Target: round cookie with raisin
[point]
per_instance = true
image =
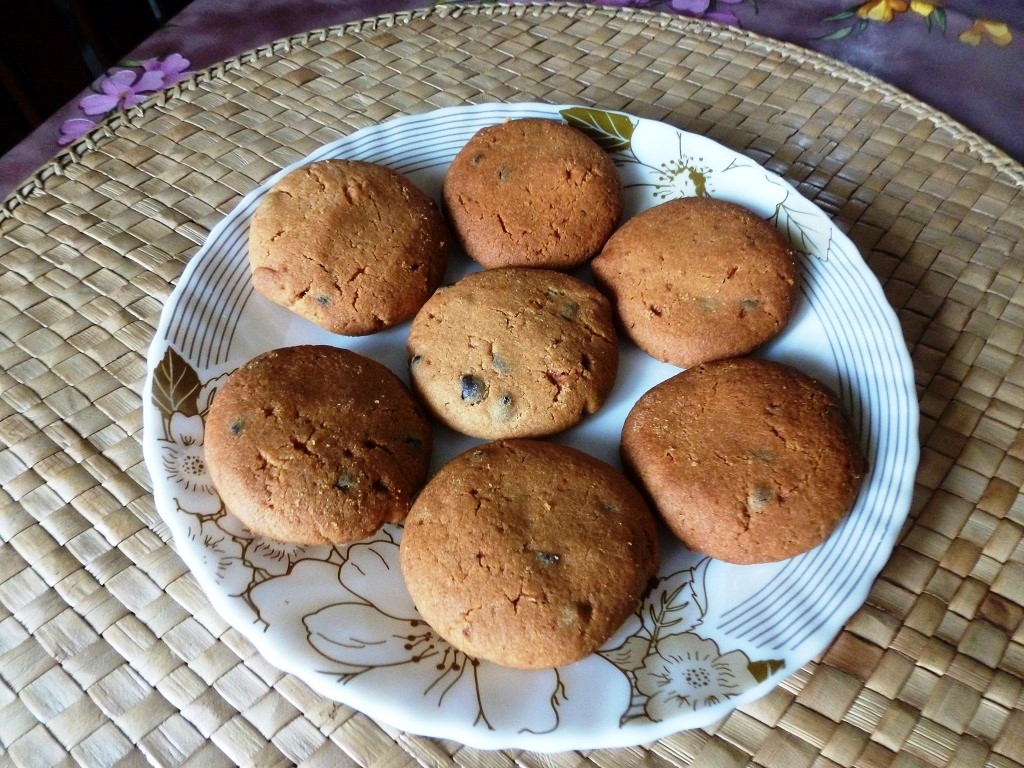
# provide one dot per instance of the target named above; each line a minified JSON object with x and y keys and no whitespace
{"x":533,"y":193}
{"x":514,"y":352}
{"x":354,"y":247}
{"x":527,"y":553}
{"x":316,"y":445}
{"x":697,"y":279}
{"x":746,"y":460}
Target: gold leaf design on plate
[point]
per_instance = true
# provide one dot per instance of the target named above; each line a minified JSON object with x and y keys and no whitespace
{"x":175,"y":386}
{"x":612,"y":131}
{"x":762,"y":670}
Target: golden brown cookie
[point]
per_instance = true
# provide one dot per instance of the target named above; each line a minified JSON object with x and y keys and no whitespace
{"x":514,"y":352}
{"x":354,"y":247}
{"x":746,"y":460}
{"x":532,"y":193}
{"x":316,"y":445}
{"x":528,"y":553}
{"x":697,"y":279}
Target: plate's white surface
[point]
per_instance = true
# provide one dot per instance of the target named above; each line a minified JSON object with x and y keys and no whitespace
{"x":709,"y":637}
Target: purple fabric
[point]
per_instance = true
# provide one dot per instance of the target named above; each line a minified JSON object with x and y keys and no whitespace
{"x":934,"y":59}
{"x":964,"y":57}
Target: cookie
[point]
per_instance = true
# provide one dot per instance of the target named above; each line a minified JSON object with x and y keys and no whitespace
{"x":746,"y":460}
{"x":351,"y":246}
{"x":697,"y":279}
{"x":514,"y":352}
{"x":532,"y":193}
{"x":316,"y":445}
{"x":527,"y":553}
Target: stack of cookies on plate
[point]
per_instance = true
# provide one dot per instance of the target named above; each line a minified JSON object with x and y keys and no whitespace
{"x":521,"y":550}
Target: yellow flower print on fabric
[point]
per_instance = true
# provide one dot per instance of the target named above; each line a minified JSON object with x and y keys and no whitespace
{"x":882,"y":10}
{"x":995,"y":32}
{"x":888,"y":11}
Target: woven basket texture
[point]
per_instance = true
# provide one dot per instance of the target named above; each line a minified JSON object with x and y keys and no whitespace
{"x":111,"y":655}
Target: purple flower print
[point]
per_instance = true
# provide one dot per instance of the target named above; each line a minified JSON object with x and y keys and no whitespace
{"x":122,"y":89}
{"x":172,"y":68}
{"x":696,"y":7}
{"x":707,"y":9}
{"x":73,"y":129}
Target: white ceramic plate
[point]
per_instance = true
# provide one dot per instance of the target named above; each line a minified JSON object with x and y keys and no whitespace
{"x":710,"y":636}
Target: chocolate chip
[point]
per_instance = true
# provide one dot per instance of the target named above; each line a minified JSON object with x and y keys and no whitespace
{"x":764,"y":454}
{"x":415,"y":359}
{"x":346,"y":481}
{"x":759,"y":497}
{"x":323,"y":300}
{"x":505,"y":174}
{"x":475,"y":160}
{"x":236,"y":427}
{"x":568,"y":310}
{"x":502,"y":409}
{"x":500,"y":364}
{"x":473,"y":389}
{"x":547,"y":558}
{"x":414,"y":442}
{"x":585,"y":611}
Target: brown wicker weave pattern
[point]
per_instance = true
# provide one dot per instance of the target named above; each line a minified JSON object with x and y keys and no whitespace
{"x":109,"y":652}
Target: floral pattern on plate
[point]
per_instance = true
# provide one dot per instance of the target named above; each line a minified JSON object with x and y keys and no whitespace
{"x":707,"y":638}
{"x":370,"y":627}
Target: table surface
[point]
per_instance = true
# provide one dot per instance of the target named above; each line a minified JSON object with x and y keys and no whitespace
{"x":110,"y":653}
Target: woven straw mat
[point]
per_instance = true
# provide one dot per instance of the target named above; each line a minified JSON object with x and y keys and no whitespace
{"x":110,"y":654}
